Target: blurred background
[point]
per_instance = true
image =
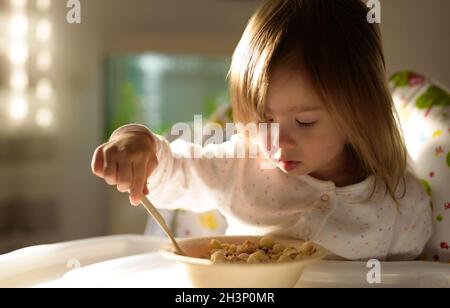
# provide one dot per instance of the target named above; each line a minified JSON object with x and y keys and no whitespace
{"x":65,"y":87}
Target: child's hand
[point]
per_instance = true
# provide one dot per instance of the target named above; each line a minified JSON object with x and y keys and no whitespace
{"x":126,"y":161}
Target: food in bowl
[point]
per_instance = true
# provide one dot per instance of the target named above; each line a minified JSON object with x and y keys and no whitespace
{"x":264,"y":250}
{"x":203,"y":272}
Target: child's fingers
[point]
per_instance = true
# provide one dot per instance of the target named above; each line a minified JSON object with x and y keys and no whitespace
{"x":132,"y":202}
{"x":97,"y":163}
{"x":110,"y":169}
{"x":124,"y":175}
{"x":151,"y":165}
{"x":138,"y":182}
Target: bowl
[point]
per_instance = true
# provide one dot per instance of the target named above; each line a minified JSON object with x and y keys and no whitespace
{"x":203,"y":273}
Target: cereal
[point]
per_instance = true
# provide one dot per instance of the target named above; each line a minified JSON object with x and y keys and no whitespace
{"x":233,"y":248}
{"x":284,"y":258}
{"x":278,"y":248}
{"x":266,"y":242}
{"x":264,"y":251}
{"x":243,"y":256}
{"x":247,"y":247}
{"x":215,"y":244}
{"x":289,"y":251}
{"x":218,"y":256}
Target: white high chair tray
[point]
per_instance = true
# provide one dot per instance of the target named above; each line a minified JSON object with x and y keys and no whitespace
{"x":133,"y":261}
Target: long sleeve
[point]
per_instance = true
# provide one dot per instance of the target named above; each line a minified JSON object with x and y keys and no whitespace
{"x":182,"y":181}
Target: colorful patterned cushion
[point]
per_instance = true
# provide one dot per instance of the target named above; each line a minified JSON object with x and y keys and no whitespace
{"x":424,"y":109}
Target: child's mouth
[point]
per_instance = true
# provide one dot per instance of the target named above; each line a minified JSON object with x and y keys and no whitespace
{"x":288,"y":166}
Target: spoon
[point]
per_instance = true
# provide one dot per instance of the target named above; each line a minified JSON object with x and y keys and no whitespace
{"x":151,"y":209}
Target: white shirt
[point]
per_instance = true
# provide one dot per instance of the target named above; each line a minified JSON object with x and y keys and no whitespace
{"x":258,"y":201}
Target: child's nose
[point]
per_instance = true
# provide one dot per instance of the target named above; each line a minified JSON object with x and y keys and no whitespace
{"x":286,"y":141}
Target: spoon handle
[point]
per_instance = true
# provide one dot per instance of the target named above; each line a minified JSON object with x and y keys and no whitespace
{"x":160,"y":220}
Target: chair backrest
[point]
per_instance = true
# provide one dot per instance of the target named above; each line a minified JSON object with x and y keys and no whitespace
{"x":424,"y":112}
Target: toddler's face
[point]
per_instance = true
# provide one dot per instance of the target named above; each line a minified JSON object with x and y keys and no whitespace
{"x":310,"y":141}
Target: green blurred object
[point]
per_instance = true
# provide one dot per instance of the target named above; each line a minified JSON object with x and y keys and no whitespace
{"x":159,"y":90}
{"x":434,"y":96}
{"x":126,"y":108}
{"x":400,"y":79}
{"x":427,"y":186}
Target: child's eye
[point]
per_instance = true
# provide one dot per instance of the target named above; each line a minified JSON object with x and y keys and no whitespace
{"x":306,"y":124}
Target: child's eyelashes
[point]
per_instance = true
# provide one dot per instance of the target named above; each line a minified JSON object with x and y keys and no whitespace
{"x":300,"y":123}
{"x":306,"y":124}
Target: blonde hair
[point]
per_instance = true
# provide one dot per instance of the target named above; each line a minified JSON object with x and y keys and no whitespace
{"x":342,"y":55}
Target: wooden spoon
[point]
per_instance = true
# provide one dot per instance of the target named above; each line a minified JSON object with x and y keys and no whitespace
{"x":151,"y":209}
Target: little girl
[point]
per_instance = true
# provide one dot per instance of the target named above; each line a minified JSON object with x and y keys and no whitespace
{"x":315,"y":67}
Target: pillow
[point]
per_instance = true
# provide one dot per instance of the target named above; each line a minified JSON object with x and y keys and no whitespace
{"x":423,"y":106}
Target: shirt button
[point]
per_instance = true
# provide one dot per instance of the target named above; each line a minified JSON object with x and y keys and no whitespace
{"x":325,"y":197}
